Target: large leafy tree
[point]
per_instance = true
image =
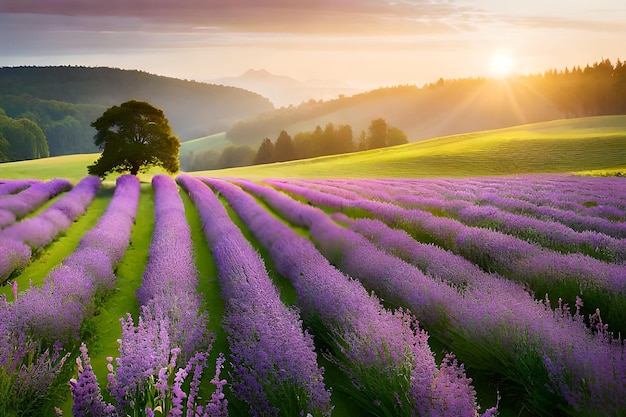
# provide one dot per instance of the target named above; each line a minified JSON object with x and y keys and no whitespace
{"x":134,"y":136}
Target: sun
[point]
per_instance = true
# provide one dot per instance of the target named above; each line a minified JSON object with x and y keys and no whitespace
{"x":501,"y":64}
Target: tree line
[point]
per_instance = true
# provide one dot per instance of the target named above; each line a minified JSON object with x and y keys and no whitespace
{"x":67,"y":127}
{"x":21,"y":139}
{"x":331,"y":140}
{"x":595,"y":90}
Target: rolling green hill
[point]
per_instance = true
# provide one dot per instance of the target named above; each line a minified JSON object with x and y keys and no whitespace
{"x":571,"y":145}
{"x":585,"y":145}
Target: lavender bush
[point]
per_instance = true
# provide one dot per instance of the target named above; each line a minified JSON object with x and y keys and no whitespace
{"x":145,"y":381}
{"x":8,"y":187}
{"x":481,"y":325}
{"x":34,"y":196}
{"x":542,"y":269}
{"x":383,"y":353}
{"x":168,"y":288}
{"x":274,"y":363}
{"x":39,"y":231}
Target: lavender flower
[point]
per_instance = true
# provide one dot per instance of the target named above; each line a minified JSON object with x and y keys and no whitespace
{"x":273,"y":360}
{"x":88,"y":400}
{"x":374,"y":347}
{"x":482,"y":314}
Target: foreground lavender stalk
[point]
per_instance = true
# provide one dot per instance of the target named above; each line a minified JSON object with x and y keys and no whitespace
{"x":162,"y":393}
{"x":274,"y":363}
{"x":27,"y":370}
{"x":483,"y":313}
{"x":374,"y":347}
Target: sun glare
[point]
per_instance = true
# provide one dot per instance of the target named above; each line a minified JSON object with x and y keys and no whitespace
{"x":501,"y":64}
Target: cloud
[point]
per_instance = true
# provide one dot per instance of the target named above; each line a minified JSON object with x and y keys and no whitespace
{"x":575,"y":24}
{"x":267,"y":16}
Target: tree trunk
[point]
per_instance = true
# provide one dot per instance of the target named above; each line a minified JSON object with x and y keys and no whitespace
{"x":134,"y":170}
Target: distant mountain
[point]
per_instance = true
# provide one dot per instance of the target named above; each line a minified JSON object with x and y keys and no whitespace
{"x":194,"y":109}
{"x":284,"y":91}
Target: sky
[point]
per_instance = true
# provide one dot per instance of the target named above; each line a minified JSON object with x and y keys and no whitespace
{"x":353,"y":43}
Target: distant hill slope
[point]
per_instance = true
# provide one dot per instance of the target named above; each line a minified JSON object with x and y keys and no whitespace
{"x":439,"y":109}
{"x":194,"y":109}
{"x":594,"y":145}
{"x":590,"y":144}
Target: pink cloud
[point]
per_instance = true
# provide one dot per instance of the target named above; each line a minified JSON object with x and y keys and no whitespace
{"x":269,"y":16}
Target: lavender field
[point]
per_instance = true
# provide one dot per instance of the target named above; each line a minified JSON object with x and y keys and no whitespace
{"x":200,"y":296}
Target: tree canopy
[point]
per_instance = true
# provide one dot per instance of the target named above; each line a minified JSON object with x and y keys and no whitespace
{"x":21,"y":139}
{"x":134,"y":136}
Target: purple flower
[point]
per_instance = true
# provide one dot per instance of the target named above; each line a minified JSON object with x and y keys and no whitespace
{"x":273,"y":359}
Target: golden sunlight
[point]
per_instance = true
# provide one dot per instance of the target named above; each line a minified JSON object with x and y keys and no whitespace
{"x":501,"y":64}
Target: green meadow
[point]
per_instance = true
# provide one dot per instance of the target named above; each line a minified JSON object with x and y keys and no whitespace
{"x":592,"y":145}
{"x":585,"y":145}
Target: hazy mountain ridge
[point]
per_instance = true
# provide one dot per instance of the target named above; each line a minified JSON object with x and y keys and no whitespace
{"x":286,"y":91}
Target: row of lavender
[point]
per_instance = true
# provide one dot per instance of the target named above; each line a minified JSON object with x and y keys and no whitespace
{"x":19,"y":239}
{"x":170,"y":342}
{"x":555,"y":359}
{"x":563,"y":274}
{"x":42,"y":322}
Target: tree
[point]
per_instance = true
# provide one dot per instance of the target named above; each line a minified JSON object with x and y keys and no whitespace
{"x":25,"y":139}
{"x":377,"y":134}
{"x":134,"y":136}
{"x":344,"y":140}
{"x":236,"y":156}
{"x":396,"y":136}
{"x":265,"y":154}
{"x":284,"y":150}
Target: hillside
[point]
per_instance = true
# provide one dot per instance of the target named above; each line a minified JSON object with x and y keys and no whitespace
{"x":441,"y":109}
{"x":569,"y":145}
{"x":194,"y":109}
{"x":596,"y":144}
